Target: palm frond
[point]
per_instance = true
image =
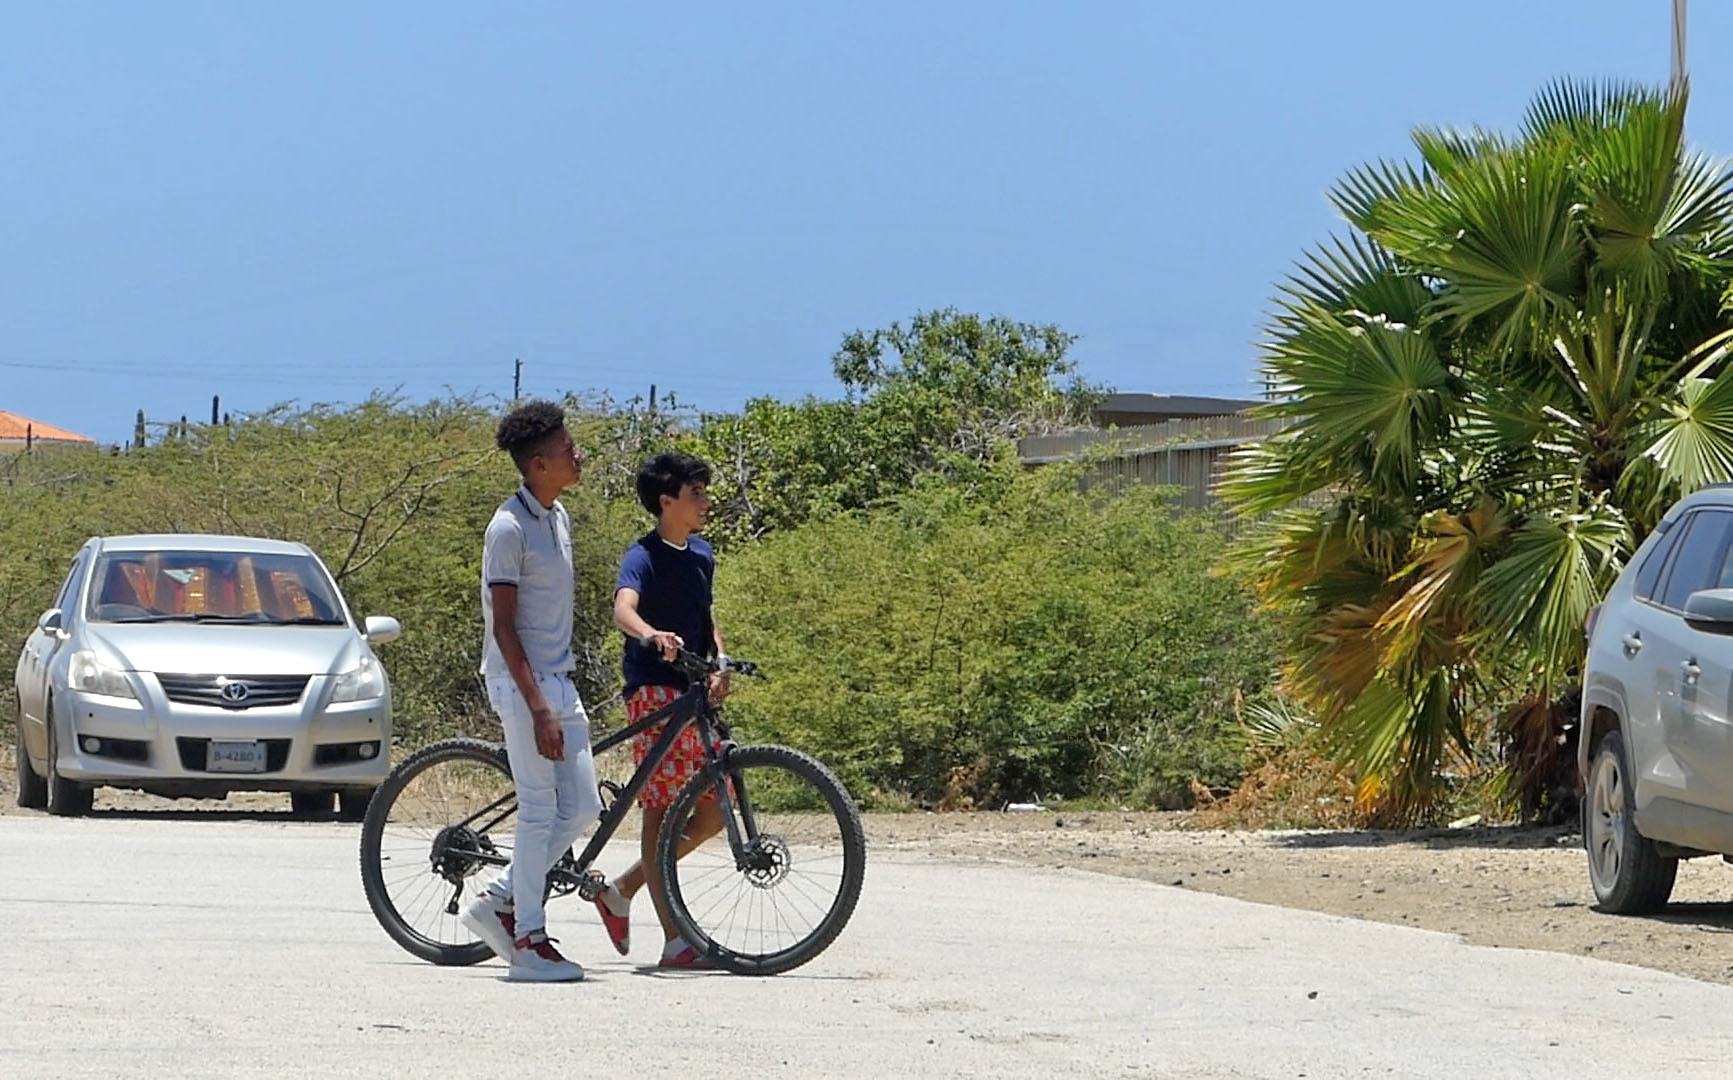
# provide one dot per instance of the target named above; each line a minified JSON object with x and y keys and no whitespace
{"x":1693,"y":442}
{"x":1630,"y":173}
{"x":1270,"y":476}
{"x":1567,"y":107}
{"x":1533,"y":601}
{"x":1350,"y":276}
{"x":1362,"y":196}
{"x":1366,"y":384}
{"x":1506,"y":238}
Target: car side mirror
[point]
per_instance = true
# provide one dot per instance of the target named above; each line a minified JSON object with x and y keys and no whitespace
{"x":382,"y":628}
{"x":1711,"y":609}
{"x":51,"y":621}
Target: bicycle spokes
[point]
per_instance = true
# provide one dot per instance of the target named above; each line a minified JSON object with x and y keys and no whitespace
{"x":445,"y":832}
{"x":778,"y":897}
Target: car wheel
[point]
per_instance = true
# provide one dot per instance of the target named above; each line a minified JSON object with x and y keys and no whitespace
{"x":310,"y":804}
{"x":1626,"y":869}
{"x":352,"y":803}
{"x":66,"y":798}
{"x":32,"y":789}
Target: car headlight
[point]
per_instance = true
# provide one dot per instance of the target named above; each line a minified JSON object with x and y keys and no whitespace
{"x":364,"y":682}
{"x":88,"y":674}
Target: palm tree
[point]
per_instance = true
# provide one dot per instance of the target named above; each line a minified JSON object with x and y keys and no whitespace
{"x":1497,"y":384}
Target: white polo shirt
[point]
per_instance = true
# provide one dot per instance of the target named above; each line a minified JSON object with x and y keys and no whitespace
{"x":530,"y":546}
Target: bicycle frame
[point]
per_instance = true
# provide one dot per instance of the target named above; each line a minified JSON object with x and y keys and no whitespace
{"x":691,"y":707}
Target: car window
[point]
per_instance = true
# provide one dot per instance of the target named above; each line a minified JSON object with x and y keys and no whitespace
{"x":213,"y":586}
{"x":1649,"y":573}
{"x":1702,"y":558}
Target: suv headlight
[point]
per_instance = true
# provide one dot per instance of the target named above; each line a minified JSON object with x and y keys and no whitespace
{"x":364,"y":682}
{"x":88,"y":674}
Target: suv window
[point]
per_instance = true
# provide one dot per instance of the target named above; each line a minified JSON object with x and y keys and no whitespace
{"x":1702,"y":561}
{"x":1649,"y":574}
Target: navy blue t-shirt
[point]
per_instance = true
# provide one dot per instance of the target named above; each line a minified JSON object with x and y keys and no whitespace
{"x":673,"y":586}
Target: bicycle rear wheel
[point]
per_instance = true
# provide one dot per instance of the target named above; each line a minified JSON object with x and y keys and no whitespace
{"x":802,"y":865}
{"x":442,"y":818}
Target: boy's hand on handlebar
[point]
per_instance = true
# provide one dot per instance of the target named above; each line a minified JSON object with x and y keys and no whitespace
{"x":666,"y":642}
{"x":719,"y":687}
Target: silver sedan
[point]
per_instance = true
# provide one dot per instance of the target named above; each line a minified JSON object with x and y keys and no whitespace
{"x":200,"y":665}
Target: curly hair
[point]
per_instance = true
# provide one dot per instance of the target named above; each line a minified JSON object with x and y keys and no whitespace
{"x":527,"y":428}
{"x":666,"y":474}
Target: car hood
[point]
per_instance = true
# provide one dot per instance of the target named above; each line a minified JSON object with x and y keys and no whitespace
{"x":191,"y":649}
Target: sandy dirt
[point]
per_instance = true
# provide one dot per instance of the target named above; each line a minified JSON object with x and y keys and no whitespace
{"x":1505,"y":887}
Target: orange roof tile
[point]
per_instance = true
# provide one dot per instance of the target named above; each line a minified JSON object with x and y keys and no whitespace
{"x":13,"y":426}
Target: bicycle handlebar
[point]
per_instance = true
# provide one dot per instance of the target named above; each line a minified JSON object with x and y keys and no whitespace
{"x":693,"y":664}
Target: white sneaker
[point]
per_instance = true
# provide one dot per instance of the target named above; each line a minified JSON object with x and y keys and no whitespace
{"x":490,"y":918}
{"x":534,"y":959}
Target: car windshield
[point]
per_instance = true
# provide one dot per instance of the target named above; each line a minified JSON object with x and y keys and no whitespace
{"x":236,"y":587}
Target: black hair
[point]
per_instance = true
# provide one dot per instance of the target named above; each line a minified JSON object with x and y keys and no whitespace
{"x":666,"y":474}
{"x":526,"y":429}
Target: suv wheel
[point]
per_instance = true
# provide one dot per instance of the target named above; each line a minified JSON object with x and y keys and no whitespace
{"x":1629,"y":875}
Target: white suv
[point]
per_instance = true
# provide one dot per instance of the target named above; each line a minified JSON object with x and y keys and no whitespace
{"x":1656,"y":752}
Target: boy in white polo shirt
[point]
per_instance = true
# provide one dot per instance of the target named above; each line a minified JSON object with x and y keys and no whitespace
{"x":526,"y":604}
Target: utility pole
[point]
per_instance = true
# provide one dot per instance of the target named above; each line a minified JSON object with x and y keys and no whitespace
{"x":1680,"y":76}
{"x":517,"y":382}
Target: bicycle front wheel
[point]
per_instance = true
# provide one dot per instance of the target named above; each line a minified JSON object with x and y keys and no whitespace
{"x":798,"y":873}
{"x":434,"y":830}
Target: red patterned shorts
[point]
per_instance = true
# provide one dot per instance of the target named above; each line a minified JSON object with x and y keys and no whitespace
{"x":685,"y":757}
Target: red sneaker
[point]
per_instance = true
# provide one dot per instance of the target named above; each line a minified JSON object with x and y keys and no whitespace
{"x":534,"y":959}
{"x":619,"y":927}
{"x":686,"y":957}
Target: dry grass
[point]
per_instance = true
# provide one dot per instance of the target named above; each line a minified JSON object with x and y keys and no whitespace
{"x":1289,"y":788}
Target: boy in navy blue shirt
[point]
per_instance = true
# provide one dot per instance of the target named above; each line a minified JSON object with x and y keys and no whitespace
{"x":661,"y":603}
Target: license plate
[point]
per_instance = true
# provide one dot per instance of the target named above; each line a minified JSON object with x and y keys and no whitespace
{"x":235,"y":756}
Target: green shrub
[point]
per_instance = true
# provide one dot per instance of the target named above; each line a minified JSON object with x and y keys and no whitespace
{"x":1010,"y":642}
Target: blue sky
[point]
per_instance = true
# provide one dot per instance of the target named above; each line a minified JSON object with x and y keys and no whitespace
{"x":309,"y":201}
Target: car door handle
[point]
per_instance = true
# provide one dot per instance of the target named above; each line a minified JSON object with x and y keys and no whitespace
{"x":1692,"y":672}
{"x":1633,"y":644}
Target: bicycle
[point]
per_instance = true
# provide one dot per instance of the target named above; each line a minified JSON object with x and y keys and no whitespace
{"x":792,"y":843}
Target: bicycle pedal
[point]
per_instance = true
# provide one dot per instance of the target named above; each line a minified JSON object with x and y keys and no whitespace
{"x":592,"y":884}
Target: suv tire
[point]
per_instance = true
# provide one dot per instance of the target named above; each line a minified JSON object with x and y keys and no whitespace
{"x":1626,"y":869}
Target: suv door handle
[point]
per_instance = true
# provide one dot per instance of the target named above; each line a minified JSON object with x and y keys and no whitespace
{"x":1633,"y":644}
{"x":1692,"y":672}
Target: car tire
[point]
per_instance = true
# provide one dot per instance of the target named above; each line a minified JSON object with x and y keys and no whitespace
{"x":32,"y":789}
{"x":352,"y":803}
{"x":310,"y":804}
{"x":1628,"y":873}
{"x":66,"y":798}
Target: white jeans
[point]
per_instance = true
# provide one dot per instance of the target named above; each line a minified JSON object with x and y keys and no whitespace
{"x":557,"y":801}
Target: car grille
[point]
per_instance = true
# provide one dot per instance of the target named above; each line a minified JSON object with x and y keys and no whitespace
{"x":193,"y":753}
{"x":214,"y":690}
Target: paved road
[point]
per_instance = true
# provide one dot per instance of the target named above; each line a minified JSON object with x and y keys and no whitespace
{"x":169,"y":947}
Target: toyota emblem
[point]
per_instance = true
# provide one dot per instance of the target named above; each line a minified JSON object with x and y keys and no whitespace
{"x":235,"y":691}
